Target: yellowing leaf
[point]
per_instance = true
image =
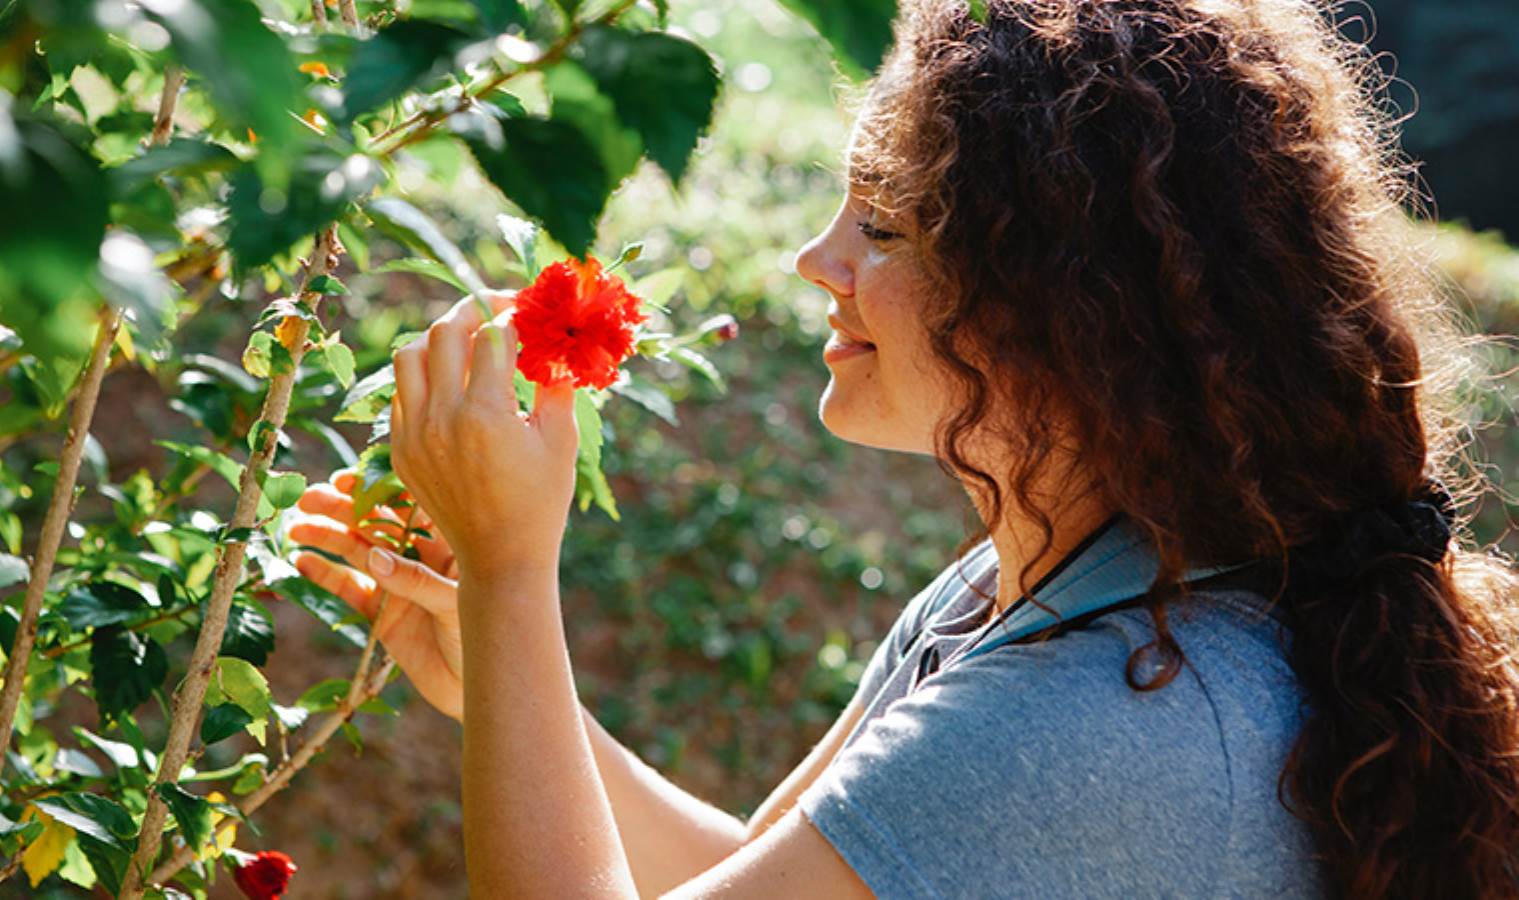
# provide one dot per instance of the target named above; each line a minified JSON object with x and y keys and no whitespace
{"x":43,"y":856}
{"x":289,"y":332}
{"x":224,"y":837}
{"x":315,"y":68}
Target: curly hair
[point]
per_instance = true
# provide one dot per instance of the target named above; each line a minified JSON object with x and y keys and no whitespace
{"x":1182,"y":225}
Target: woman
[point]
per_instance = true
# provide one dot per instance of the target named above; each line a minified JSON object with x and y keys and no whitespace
{"x":1134,"y":273}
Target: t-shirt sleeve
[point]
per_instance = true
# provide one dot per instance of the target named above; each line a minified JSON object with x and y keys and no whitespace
{"x":1023,"y":772}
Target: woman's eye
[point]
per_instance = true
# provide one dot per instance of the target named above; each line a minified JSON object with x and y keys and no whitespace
{"x":876,"y":234}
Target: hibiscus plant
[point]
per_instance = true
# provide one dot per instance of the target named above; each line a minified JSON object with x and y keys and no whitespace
{"x":162,"y":158}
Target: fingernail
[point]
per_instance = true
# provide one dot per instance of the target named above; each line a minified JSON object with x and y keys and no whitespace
{"x":381,"y":562}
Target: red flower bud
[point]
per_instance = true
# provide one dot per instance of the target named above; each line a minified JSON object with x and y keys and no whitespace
{"x":266,"y":877}
{"x":728,"y":330}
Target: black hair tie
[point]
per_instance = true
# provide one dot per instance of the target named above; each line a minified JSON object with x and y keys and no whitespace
{"x":1419,"y":526}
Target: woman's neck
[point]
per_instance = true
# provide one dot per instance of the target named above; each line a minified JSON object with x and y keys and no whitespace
{"x":1017,"y":540}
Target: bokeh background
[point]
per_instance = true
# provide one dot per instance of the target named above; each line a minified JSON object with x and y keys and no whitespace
{"x":719,"y":627}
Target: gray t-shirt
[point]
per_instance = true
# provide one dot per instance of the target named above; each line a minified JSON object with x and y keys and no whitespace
{"x":1033,"y":770}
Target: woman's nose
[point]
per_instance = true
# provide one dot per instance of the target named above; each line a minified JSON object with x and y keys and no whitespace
{"x":820,"y":262}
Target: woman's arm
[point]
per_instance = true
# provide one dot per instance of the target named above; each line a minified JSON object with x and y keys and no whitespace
{"x":538,"y":820}
{"x":669,"y":835}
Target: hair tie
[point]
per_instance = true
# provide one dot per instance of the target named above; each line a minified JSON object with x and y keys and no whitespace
{"x":1420,"y":526}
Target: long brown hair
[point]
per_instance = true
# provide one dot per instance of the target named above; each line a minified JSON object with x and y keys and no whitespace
{"x":1181,"y":224}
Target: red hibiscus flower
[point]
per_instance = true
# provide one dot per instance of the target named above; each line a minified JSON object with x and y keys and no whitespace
{"x":576,"y":324}
{"x":266,"y":876}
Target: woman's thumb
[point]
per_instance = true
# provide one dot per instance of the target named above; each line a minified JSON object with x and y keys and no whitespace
{"x":411,"y":580}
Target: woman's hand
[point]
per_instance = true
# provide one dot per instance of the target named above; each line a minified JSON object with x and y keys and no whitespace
{"x":497,"y":482}
{"x":420,"y":625}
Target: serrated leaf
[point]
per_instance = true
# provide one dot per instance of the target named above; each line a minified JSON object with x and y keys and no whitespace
{"x":327,"y":285}
{"x":192,"y":813}
{"x":101,"y":603}
{"x":126,"y":667}
{"x":648,"y":396}
{"x":377,"y":483}
{"x":427,"y":268}
{"x":338,"y":359}
{"x":44,"y":854}
{"x":369,"y":396}
{"x":663,"y":87}
{"x":417,"y":230}
{"x":859,"y":31}
{"x":249,"y":634}
{"x":385,"y":66}
{"x":283,"y":489}
{"x":548,"y":167}
{"x":522,"y":236}
{"x":238,"y":681}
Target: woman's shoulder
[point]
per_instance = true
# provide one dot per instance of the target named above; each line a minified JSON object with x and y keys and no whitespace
{"x":1091,"y":784}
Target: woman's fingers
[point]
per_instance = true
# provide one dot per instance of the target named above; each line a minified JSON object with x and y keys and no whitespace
{"x":353,"y":588}
{"x":412,"y":580}
{"x":494,"y":357}
{"x":411,"y":380}
{"x":554,"y":413}
{"x":326,"y":500}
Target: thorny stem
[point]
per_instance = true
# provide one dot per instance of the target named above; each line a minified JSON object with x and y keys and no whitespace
{"x":190,"y":695}
{"x":54,"y":524}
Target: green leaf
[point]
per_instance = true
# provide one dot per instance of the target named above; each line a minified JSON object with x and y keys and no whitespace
{"x":496,"y":15}
{"x":264,"y":356}
{"x":238,"y":681}
{"x":415,"y":229}
{"x":125,"y":668}
{"x":48,"y":256}
{"x":591,"y":482}
{"x":284,"y":488}
{"x":578,"y":101}
{"x":268,"y":219}
{"x":220,"y":463}
{"x":663,"y":87}
{"x":223,"y":721}
{"x":193,"y":813}
{"x":548,"y":167}
{"x":13,"y":570}
{"x":377,"y":482}
{"x":107,"y":832}
{"x":698,"y":363}
{"x":323,"y":605}
{"x":180,"y":157}
{"x":327,"y":285}
{"x":365,"y":400}
{"x":338,"y":359}
{"x":101,"y":603}
{"x":427,"y":268}
{"x":649,"y":396}
{"x":396,"y":58}
{"x":245,"y":67}
{"x":131,"y":282}
{"x":522,"y":236}
{"x":324,"y":695}
{"x":859,"y":30}
{"x":249,"y":634}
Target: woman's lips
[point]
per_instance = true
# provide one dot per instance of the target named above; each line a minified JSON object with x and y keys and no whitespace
{"x":840,"y":348}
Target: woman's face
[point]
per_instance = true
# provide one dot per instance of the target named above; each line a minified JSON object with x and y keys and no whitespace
{"x":886,"y":389}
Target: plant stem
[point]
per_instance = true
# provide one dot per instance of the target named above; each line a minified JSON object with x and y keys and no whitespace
{"x":190,"y":695}
{"x":163,"y":122}
{"x":420,"y":124}
{"x":55,"y":652}
{"x":350,"y":14}
{"x":280,"y":777}
{"x":54,"y":524}
{"x":319,"y":12}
